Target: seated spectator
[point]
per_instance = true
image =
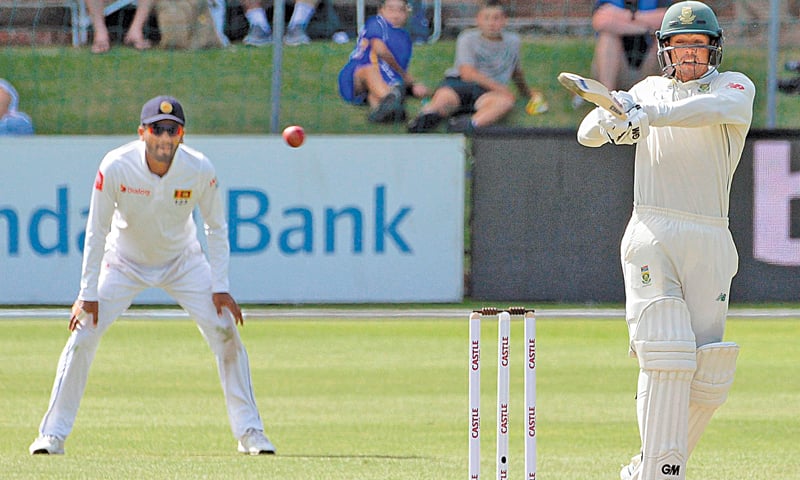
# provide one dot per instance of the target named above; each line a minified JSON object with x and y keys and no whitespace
{"x":476,"y":88}
{"x":377,"y":71}
{"x":625,"y":48}
{"x":260,"y":33}
{"x":101,"y":41}
{"x":12,"y":122}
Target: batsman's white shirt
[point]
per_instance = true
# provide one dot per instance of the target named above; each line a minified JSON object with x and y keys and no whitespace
{"x":677,"y":242}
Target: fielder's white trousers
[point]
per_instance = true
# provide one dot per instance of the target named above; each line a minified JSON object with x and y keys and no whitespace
{"x":188,"y":280}
{"x":670,"y":253}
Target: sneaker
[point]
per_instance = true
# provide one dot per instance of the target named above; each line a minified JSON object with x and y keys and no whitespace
{"x":47,"y":445}
{"x":296,"y":36}
{"x":461,"y":124}
{"x":257,"y":37}
{"x":424,"y":122}
{"x":631,"y":470}
{"x":389,"y":107}
{"x":254,"y":442}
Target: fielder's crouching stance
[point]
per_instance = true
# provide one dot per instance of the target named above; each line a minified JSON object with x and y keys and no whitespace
{"x":677,"y":253}
{"x":140,"y":234}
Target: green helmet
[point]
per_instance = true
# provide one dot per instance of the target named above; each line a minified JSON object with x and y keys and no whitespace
{"x":689,"y":17}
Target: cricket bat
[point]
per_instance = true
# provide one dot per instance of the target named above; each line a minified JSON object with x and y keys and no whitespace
{"x":592,"y":91}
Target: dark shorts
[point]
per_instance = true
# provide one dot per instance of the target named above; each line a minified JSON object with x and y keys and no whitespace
{"x":468,"y":93}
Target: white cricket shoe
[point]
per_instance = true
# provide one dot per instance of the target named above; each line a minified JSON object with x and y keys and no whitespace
{"x":255,"y":442}
{"x":631,"y":470}
{"x":47,"y":445}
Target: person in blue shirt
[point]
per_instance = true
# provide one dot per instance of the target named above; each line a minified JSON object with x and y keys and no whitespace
{"x":624,"y":49}
{"x":12,"y":121}
{"x":376,"y":73}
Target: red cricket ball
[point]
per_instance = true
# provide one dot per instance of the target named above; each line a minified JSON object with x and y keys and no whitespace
{"x":294,"y":135}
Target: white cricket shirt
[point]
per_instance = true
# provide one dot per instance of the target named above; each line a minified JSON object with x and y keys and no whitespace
{"x":697,"y":134}
{"x":147,"y":219}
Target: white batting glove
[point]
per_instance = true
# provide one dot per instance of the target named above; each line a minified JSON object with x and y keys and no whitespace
{"x":625,"y":99}
{"x":625,"y":132}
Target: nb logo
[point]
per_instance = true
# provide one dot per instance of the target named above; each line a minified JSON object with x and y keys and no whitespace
{"x":674,"y":470}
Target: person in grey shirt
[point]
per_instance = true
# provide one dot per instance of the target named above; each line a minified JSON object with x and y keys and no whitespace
{"x":475,"y":91}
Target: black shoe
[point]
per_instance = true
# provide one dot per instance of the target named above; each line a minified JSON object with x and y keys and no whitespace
{"x":388,"y":106}
{"x":399,"y":115}
{"x":461,"y":124}
{"x":424,"y":122}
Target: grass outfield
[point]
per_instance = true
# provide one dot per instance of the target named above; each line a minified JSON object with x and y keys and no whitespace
{"x":378,"y":399}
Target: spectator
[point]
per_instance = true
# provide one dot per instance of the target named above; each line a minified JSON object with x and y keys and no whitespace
{"x":624,"y":50}
{"x":101,"y":43}
{"x":487,"y":59}
{"x":12,"y":121}
{"x":260,"y":33}
{"x":377,"y":71}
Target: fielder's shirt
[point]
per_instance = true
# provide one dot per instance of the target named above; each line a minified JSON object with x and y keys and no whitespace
{"x":147,"y":219}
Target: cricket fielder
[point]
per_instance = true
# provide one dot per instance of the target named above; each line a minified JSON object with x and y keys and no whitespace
{"x":677,"y":253}
{"x":140,"y":234}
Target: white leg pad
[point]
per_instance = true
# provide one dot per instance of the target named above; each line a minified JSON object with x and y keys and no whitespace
{"x":665,"y":346}
{"x":716,"y":364}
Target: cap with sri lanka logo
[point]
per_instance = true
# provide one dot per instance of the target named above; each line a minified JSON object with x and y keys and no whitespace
{"x":162,"y":108}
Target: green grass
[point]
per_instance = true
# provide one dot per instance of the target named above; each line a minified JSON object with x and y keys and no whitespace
{"x":71,"y":91}
{"x":367,"y":399}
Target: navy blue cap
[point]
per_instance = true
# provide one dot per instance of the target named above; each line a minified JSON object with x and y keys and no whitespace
{"x":162,"y":108}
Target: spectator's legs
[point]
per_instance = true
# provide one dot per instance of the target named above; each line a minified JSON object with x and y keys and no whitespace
{"x":217,"y":10}
{"x":491,"y":107}
{"x":135,"y":35}
{"x":608,"y":59}
{"x":296,"y":30}
{"x":101,"y":41}
{"x":260,"y":34}
{"x":369,"y":79}
{"x":444,"y":102}
{"x":612,"y":23}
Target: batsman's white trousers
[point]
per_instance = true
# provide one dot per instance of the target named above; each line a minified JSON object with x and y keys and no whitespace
{"x":188,"y":280}
{"x":677,"y":254}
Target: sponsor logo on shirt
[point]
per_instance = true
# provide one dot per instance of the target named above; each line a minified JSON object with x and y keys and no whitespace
{"x":98,"y":181}
{"x":134,"y":190}
{"x":737,"y":86}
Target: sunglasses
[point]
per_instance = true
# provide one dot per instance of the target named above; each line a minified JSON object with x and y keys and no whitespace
{"x":173,"y":130}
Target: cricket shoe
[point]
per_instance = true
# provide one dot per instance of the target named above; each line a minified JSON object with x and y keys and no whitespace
{"x":389,"y":107}
{"x":424,"y":122}
{"x":254,"y":442}
{"x":257,"y":37}
{"x":47,"y":445}
{"x":631,"y":470}
{"x":296,"y":36}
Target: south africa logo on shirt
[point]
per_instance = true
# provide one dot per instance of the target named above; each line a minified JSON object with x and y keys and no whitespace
{"x":646,"y":280}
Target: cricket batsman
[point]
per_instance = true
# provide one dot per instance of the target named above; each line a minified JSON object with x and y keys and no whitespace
{"x":678,"y":256}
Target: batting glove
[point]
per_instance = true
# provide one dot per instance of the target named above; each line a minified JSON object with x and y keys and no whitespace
{"x":625,"y":132}
{"x":625,"y":99}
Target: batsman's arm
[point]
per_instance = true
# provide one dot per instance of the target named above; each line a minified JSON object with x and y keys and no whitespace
{"x":589,"y":132}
